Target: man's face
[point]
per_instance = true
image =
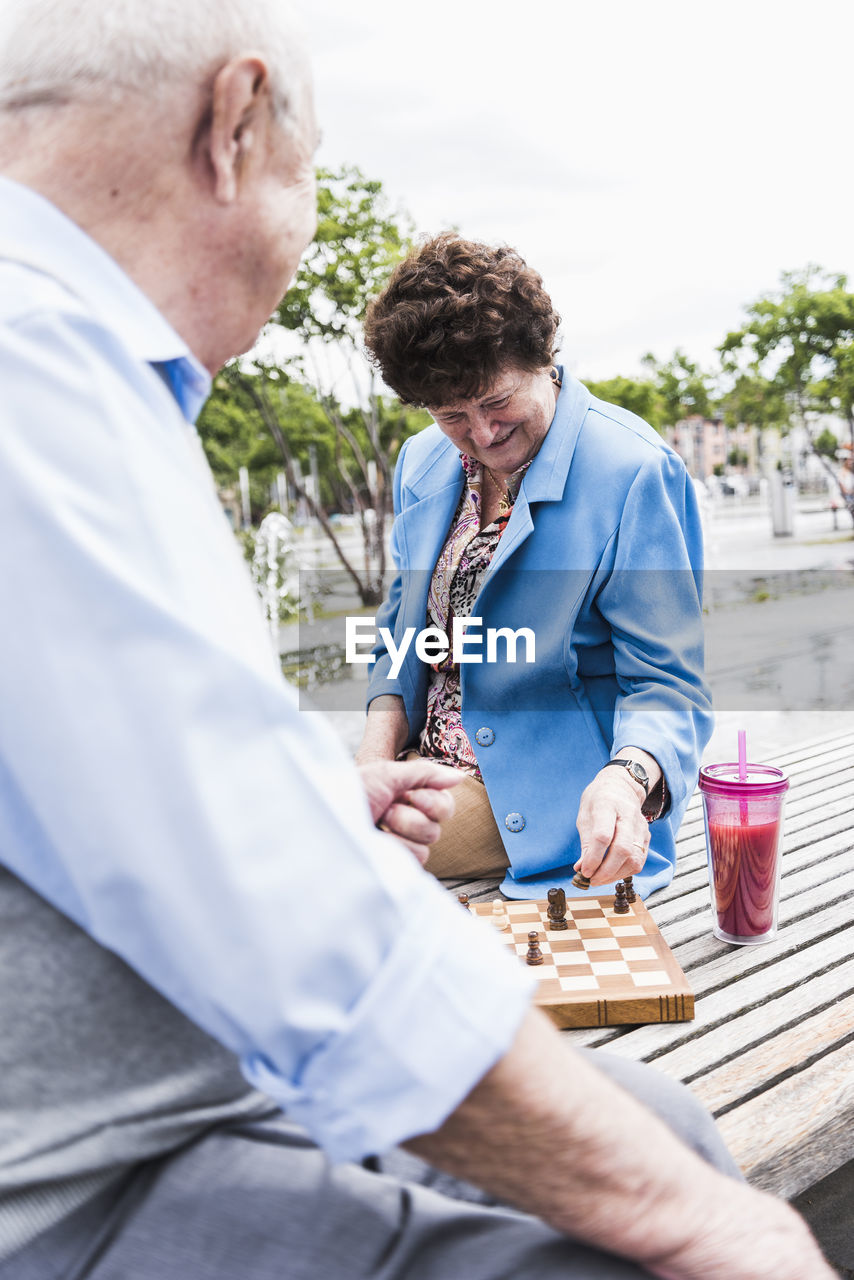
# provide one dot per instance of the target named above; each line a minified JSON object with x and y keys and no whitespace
{"x":279,"y":210}
{"x":504,"y":427}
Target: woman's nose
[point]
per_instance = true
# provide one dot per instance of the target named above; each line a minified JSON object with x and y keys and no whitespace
{"x":483,"y":429}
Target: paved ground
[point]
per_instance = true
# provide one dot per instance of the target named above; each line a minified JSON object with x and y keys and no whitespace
{"x":739,"y":534}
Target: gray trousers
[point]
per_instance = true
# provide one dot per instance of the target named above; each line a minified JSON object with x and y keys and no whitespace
{"x":258,"y":1201}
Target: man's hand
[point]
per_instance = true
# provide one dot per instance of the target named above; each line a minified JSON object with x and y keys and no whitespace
{"x":744,"y":1235}
{"x":410,"y":799}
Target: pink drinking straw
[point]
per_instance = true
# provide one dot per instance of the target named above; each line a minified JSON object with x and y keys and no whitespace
{"x":742,"y":774}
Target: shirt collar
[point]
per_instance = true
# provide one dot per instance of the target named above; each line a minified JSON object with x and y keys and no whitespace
{"x":38,"y":235}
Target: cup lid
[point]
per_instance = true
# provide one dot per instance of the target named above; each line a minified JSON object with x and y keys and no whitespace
{"x":761,"y":780}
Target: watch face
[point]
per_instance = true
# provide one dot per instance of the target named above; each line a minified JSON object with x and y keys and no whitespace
{"x":637,"y":771}
{"x":639,"y":774}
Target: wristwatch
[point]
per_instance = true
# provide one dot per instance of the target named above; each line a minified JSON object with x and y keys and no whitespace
{"x":637,"y":771}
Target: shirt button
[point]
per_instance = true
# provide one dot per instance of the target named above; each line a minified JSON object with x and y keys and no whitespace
{"x":514,"y":822}
{"x":484,"y":737}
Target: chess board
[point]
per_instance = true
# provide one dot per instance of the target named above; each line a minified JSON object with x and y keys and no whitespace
{"x":605,"y":969}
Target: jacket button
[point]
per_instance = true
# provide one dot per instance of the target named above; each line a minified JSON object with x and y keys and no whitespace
{"x":514,"y":822}
{"x":484,"y":737}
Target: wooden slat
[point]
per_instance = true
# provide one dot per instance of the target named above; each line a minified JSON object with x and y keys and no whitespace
{"x":801,"y":1130}
{"x":762,"y":1046}
{"x":742,"y":980}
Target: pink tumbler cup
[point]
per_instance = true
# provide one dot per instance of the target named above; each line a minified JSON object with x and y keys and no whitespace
{"x":744,"y":825}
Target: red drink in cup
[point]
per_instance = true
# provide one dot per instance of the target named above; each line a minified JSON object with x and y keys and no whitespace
{"x":743,"y":811}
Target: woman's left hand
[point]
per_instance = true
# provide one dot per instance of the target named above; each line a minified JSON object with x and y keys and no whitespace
{"x":614,"y":833}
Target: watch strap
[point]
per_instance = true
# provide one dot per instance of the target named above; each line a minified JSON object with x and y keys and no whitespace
{"x":637,"y":771}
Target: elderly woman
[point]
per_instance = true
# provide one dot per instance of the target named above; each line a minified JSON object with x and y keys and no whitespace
{"x":531,"y":504}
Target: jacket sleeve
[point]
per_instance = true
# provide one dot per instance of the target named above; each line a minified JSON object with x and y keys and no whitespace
{"x":652,"y":600}
{"x":380,"y":681}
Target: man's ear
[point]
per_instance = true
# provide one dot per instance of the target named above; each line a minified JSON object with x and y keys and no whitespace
{"x":236,"y":104}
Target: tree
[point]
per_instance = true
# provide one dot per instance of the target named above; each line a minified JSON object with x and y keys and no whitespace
{"x":640,"y":396}
{"x":233,"y":437}
{"x":308,"y":380}
{"x":683,"y":389}
{"x":753,"y":400}
{"x":800,"y":339}
{"x":826,"y":443}
{"x":358,"y":242}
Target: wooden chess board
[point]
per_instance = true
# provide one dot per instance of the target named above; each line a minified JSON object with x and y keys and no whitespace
{"x":605,"y":969}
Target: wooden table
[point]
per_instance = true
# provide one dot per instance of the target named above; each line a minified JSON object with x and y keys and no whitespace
{"x":770,"y":1050}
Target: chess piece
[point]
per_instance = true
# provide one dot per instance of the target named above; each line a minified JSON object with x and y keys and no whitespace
{"x":557,"y":909}
{"x":580,"y":881}
{"x":535,"y":955}
{"x":631,"y":896}
{"x":621,"y":902}
{"x":499,"y":916}
{"x":463,"y":900}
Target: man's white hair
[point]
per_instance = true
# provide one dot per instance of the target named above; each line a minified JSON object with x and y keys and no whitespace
{"x":53,"y":51}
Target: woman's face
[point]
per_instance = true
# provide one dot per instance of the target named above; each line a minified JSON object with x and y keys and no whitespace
{"x":504,"y":427}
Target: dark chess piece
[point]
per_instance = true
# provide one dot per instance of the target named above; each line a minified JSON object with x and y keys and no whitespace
{"x":580,"y":881}
{"x":535,"y":955}
{"x":557,"y":909}
{"x":463,"y":900}
{"x":621,"y":902}
{"x":631,"y":896}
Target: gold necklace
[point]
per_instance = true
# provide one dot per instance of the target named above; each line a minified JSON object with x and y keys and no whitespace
{"x":501,"y":490}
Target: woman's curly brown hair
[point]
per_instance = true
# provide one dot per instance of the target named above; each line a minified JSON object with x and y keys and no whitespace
{"x":453,"y":315}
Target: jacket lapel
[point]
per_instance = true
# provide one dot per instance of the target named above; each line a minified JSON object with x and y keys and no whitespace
{"x":545,"y":480}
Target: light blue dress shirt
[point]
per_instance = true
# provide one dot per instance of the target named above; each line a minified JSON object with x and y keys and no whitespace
{"x":158,"y":783}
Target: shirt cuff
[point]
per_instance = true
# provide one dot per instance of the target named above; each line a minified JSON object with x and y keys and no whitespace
{"x":657,"y":802}
{"x":444,"y":1008}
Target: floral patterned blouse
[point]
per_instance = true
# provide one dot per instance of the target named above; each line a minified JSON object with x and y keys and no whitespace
{"x":454,"y":587}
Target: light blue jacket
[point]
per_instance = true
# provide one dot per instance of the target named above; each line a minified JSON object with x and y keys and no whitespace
{"x":601,"y":559}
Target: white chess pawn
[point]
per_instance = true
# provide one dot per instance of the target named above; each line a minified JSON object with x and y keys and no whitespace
{"x":499,"y":917}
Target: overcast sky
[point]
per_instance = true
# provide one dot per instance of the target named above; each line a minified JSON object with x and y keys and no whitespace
{"x":660,"y":162}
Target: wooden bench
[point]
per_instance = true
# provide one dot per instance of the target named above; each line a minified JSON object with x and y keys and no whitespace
{"x":770,"y":1050}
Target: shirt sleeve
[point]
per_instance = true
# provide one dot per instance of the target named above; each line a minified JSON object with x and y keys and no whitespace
{"x":159,"y":785}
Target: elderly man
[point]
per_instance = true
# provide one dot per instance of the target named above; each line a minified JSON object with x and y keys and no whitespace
{"x":201,"y":925}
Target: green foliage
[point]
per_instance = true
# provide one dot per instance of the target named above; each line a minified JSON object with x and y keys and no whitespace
{"x":285,"y":406}
{"x":229,"y":431}
{"x":639,"y":396}
{"x":753,"y":399}
{"x":801,"y":340}
{"x":736,"y":458}
{"x":826,"y":443}
{"x":682,"y":387}
{"x":357,"y":244}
